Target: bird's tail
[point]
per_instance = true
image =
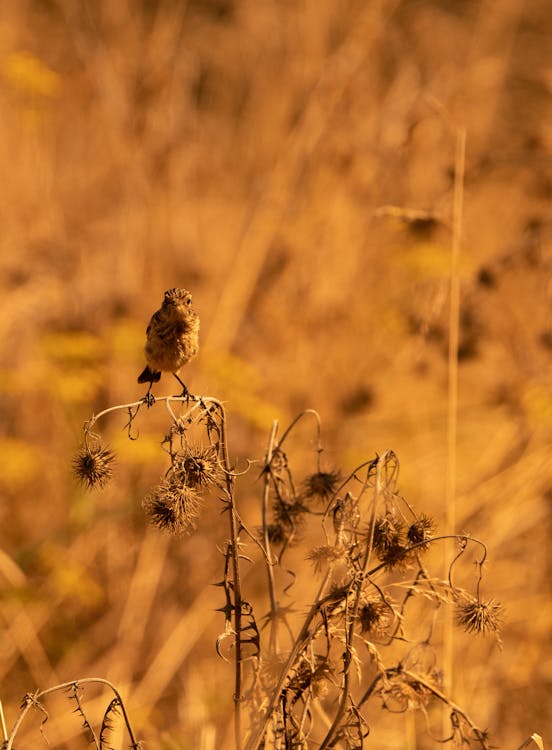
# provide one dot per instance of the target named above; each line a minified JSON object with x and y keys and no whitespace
{"x":149,"y":376}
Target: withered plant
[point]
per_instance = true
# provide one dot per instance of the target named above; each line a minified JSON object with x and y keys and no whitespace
{"x":372,"y":625}
{"x":100,"y":735}
{"x":357,"y":642}
{"x":370,"y":634}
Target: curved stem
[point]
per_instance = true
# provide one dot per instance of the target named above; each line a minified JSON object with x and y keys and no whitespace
{"x":480,"y":563}
{"x":292,"y":425}
{"x":156,"y":400}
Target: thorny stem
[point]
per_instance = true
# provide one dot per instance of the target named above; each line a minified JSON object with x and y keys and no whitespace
{"x":76,"y":697}
{"x":234,"y":544}
{"x":266,"y":541}
{"x":31,"y":701}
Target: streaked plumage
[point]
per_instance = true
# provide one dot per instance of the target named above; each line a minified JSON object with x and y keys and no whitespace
{"x":172,"y":337}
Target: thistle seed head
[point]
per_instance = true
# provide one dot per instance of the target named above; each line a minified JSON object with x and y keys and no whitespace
{"x":288,"y":521}
{"x":278,"y":533}
{"x":92,"y":465}
{"x":388,"y":541}
{"x":327,"y":554}
{"x":374,"y":616}
{"x":477,"y":616}
{"x":421,"y":531}
{"x":313,"y":677}
{"x":199,"y":466}
{"x":173,"y":506}
{"x":321,"y":486}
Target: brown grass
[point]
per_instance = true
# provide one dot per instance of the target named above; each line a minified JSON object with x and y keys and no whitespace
{"x":245,"y":151}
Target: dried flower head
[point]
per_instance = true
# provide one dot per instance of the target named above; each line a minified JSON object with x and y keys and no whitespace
{"x":278,"y":533}
{"x":374,"y":615}
{"x":476,"y":616}
{"x":199,"y":466}
{"x":173,"y":506}
{"x":326,"y":554}
{"x":312,"y":676}
{"x":288,"y":521}
{"x":388,"y":540}
{"x":421,"y":531}
{"x":321,"y":486}
{"x":92,"y":465}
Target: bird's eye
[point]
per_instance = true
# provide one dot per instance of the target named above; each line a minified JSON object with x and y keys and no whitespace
{"x":189,"y":301}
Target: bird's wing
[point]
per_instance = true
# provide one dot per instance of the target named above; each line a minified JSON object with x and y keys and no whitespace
{"x":154,"y":322}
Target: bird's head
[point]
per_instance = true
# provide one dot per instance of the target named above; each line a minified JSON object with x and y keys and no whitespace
{"x":177,"y":296}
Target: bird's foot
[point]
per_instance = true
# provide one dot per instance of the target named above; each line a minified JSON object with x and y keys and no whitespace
{"x":185,"y":392}
{"x":149,"y":398}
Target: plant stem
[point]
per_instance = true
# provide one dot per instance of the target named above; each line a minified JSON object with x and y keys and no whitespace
{"x":266,"y":541}
{"x":452,"y":401}
{"x":237,"y":603}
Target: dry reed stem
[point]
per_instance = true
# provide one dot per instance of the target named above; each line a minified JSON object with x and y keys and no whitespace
{"x":452,"y":401}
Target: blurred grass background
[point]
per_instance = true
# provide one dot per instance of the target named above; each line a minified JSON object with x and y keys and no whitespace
{"x":247,"y":151}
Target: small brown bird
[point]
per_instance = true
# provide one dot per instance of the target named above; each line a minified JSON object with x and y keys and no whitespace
{"x":172,"y":337}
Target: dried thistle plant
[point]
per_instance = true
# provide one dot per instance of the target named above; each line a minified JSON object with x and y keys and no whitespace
{"x":372,"y":544}
{"x":75,"y":692}
{"x":174,"y":505}
{"x":367,"y":572}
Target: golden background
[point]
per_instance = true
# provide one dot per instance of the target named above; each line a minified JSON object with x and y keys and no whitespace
{"x":292,"y":164}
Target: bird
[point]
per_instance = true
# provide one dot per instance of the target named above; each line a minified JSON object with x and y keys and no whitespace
{"x":172,"y":338}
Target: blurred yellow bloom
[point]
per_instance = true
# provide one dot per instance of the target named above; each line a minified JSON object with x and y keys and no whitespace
{"x":20,"y":464}
{"x":29,"y":75}
{"x":73,"y":347}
